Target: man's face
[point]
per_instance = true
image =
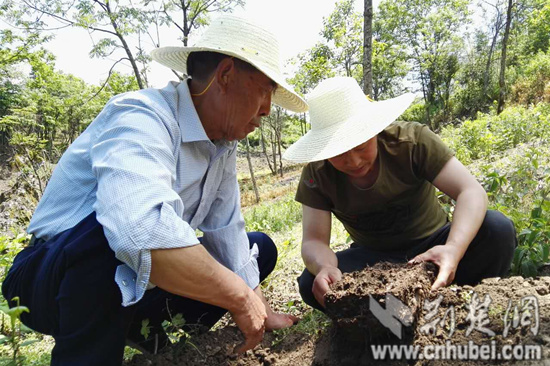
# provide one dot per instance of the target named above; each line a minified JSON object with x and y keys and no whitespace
{"x":358,"y":161}
{"x":248,"y":99}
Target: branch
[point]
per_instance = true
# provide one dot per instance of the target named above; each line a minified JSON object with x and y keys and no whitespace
{"x":106,"y":80}
{"x":172,"y":20}
{"x":66,"y":20}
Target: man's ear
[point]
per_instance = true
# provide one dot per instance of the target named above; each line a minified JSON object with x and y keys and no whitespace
{"x":225,"y":72}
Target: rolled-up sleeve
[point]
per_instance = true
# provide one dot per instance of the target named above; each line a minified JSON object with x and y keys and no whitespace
{"x":224,"y":230}
{"x":133,"y":160}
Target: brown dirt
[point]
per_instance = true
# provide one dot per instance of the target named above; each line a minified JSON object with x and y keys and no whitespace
{"x":355,"y":328}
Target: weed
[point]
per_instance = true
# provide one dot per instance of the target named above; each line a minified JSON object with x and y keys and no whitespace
{"x":312,"y":323}
{"x":14,"y":336}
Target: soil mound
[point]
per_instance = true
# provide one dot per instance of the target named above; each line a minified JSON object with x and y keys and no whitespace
{"x":500,"y":321}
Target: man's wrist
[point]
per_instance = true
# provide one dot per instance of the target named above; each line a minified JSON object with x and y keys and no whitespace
{"x":241,"y":301}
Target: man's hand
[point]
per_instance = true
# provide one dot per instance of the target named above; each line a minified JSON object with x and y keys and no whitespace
{"x":250,"y":319}
{"x":446,"y":257}
{"x":326,"y":277}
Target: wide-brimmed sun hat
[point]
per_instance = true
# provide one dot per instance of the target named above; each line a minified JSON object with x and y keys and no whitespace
{"x":246,"y":40}
{"x":342,"y":118}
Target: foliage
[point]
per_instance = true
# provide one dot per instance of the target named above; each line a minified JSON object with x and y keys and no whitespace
{"x":116,"y":21}
{"x":523,"y":194}
{"x":533,"y":84}
{"x":15,"y":332}
{"x":195,"y":13}
{"x":429,"y":29}
{"x":344,"y":34}
{"x":311,"y":324}
{"x":314,"y":66}
{"x":389,"y":67}
{"x":9,"y":247}
{"x":341,"y":52}
{"x":274,"y":216}
{"x":514,"y":167}
{"x":489,"y":134}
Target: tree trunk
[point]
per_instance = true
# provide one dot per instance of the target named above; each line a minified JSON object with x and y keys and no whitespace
{"x":252,"y":178}
{"x":274,"y":152}
{"x":501,"y":82}
{"x":279,"y":151}
{"x":367,"y":49}
{"x":262,"y":139}
{"x":126,"y":47}
{"x":498,"y":25}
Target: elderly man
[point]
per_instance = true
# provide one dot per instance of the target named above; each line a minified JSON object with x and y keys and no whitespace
{"x":114,"y":239}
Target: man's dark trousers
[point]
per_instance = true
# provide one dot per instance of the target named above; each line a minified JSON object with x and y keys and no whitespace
{"x":68,"y":285}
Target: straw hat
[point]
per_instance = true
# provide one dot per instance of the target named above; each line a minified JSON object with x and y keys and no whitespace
{"x":243,"y":39}
{"x":342,"y":118}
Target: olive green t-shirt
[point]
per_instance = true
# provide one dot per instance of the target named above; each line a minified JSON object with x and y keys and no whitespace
{"x":400,"y":206}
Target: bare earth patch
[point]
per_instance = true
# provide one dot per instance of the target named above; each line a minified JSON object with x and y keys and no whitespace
{"x":453,"y":316}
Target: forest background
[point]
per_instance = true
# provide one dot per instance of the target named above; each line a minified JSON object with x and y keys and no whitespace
{"x":481,"y":70}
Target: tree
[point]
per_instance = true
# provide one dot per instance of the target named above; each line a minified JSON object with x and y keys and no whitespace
{"x":254,"y":184}
{"x":115,"y":20}
{"x":343,"y":32}
{"x":501,"y":82}
{"x":496,"y":26}
{"x":539,"y":27}
{"x":274,"y":126}
{"x":194,"y":13}
{"x":429,"y":29}
{"x":314,"y":66}
{"x":367,"y":49}
{"x":389,"y":67}
{"x":16,"y":48}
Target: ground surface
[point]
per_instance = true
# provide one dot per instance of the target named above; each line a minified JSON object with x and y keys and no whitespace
{"x":355,"y":328}
{"x":310,"y":342}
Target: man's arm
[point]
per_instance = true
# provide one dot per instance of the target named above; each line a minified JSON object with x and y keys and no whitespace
{"x":225,"y":238}
{"x":193,"y":273}
{"x":134,"y":163}
{"x":320,"y":260}
{"x":471,"y":206}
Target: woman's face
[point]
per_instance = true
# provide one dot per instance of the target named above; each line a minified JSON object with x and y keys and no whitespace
{"x":358,"y":161}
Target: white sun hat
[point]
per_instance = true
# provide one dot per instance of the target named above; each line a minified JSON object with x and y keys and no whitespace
{"x":246,"y":40}
{"x":342,"y":118}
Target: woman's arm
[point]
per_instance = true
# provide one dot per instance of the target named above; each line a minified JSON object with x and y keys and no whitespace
{"x":320,"y":260}
{"x":471,"y":206}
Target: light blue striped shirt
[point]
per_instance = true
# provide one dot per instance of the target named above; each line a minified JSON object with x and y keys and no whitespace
{"x":147,"y":168}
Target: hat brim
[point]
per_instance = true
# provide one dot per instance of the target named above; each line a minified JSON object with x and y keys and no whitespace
{"x":176,"y":59}
{"x":334,"y":140}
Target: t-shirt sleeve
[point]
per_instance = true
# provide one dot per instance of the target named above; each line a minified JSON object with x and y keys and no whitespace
{"x":430,"y":154}
{"x":310,"y":191}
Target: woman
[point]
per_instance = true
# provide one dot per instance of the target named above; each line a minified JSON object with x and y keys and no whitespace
{"x":379,"y":178}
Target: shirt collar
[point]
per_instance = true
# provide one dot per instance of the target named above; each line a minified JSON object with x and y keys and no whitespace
{"x":190,"y":124}
{"x":189,"y":121}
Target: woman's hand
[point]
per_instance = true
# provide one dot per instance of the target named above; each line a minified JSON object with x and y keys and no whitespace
{"x":446,"y":257}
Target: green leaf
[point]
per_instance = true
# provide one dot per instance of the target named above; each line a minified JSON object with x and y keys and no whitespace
{"x":545,"y":252}
{"x":28,"y":342}
{"x":178,"y":321}
{"x":145,"y":328}
{"x":536,"y":212}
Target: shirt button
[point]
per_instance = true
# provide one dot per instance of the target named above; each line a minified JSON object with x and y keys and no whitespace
{"x":124,"y":283}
